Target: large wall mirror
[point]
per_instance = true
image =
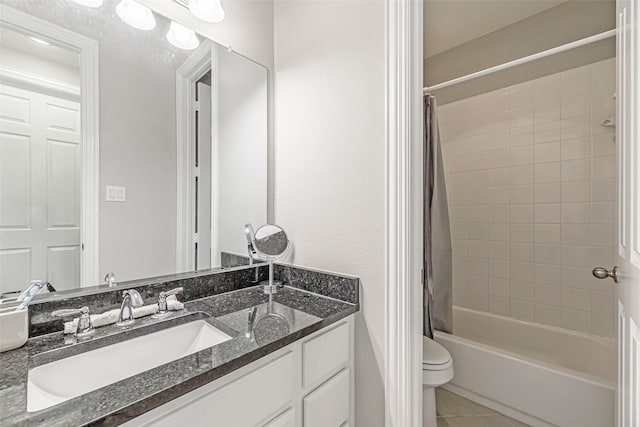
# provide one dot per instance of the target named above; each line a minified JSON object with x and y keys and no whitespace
{"x":138,"y":147}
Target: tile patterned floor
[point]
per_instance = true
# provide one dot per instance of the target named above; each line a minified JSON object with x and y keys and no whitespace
{"x":456,"y":411}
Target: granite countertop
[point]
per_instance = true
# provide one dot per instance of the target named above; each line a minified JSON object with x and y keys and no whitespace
{"x":117,"y":403}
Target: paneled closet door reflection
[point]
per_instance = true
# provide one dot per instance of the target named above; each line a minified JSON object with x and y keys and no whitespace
{"x":40,"y":189}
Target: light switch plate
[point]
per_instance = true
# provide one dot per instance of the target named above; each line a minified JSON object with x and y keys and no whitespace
{"x":116,"y":194}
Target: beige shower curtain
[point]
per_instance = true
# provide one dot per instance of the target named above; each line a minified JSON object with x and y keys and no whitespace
{"x":438,"y":303}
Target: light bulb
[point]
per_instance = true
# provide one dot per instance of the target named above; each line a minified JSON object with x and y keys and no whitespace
{"x":89,"y":3}
{"x":136,"y":15}
{"x":182,"y":37}
{"x":207,"y":10}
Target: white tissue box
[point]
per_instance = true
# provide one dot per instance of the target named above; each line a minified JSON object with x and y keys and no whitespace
{"x":14,"y":328}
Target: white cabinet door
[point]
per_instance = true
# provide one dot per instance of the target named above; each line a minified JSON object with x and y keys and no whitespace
{"x":628,"y":258}
{"x":328,"y":405}
{"x":325,"y":354}
{"x":40,"y":170}
{"x":245,"y":402}
{"x":285,"y":420}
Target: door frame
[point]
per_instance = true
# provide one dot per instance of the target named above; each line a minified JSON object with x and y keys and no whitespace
{"x":197,"y":65}
{"x":403,"y":213}
{"x":87,"y":49}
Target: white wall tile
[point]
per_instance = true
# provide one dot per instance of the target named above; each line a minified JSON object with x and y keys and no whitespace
{"x":547,"y":213}
{"x":548,"y":192}
{"x":604,"y":167}
{"x":575,"y":127}
{"x":602,"y":145}
{"x":499,"y":232}
{"x":603,"y":212}
{"x":499,"y":268}
{"x":478,"y":231}
{"x":498,"y":195}
{"x":576,"y":191}
{"x":477,"y":196}
{"x":499,"y":287}
{"x":603,"y":235}
{"x":547,"y":172}
{"x":577,"y":299}
{"x":548,"y":294}
{"x":578,"y":234}
{"x":478,"y":248}
{"x":498,"y":213}
{"x":456,"y":181}
{"x":478,"y":266}
{"x":458,"y":213}
{"x":576,"y":213}
{"x":522,"y":136}
{"x":522,"y":155}
{"x":547,"y":233}
{"x":521,"y":270}
{"x":577,"y":277}
{"x":548,"y":152}
{"x":498,"y":177}
{"x":603,"y":302}
{"x":548,"y":131}
{"x":521,"y":194}
{"x":522,"y":214}
{"x":477,"y":213}
{"x":478,"y":301}
{"x":548,"y":315}
{"x":522,"y":175}
{"x":548,"y":274}
{"x":576,"y":170}
{"x":478,"y":284}
{"x":522,"y":252}
{"x":548,"y":254}
{"x":521,"y":290}
{"x":578,"y":148}
{"x":603,"y":190}
{"x":499,"y":250}
{"x":522,"y":233}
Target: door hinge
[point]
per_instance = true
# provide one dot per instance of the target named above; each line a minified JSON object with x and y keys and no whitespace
{"x":196,"y":172}
{"x":195,"y":238}
{"x":196,"y":105}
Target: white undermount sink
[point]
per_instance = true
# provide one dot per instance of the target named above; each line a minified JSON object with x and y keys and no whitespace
{"x":64,"y":379}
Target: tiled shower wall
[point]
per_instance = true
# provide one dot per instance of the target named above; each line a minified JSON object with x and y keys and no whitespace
{"x":530,"y":175}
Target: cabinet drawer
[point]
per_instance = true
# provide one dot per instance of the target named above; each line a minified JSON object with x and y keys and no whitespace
{"x":284,"y":420}
{"x":325,"y":354}
{"x":247,"y":401}
{"x":328,"y":405}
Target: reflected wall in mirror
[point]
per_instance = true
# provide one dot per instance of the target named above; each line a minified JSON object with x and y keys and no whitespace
{"x":120,"y":152}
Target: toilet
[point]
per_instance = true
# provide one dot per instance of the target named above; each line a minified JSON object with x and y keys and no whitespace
{"x":437,"y":369}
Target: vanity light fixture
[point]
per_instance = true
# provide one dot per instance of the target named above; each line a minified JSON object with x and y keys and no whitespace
{"x":89,"y":3}
{"x":207,"y":10}
{"x":136,"y":15}
{"x":39,"y":41}
{"x":182,"y":37}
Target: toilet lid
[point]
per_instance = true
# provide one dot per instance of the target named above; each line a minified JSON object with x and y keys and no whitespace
{"x":433,"y":353}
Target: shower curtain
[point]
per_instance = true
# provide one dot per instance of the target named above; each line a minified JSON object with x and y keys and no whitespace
{"x":437,"y":235}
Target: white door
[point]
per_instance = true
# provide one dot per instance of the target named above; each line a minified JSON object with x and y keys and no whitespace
{"x":203,"y":177}
{"x":40,"y":169}
{"x":628,"y":256}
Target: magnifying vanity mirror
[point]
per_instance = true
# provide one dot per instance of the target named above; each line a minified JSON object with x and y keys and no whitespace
{"x":110,"y":133}
{"x":271,"y":243}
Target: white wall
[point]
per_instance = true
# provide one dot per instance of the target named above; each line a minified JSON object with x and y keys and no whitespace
{"x":239,"y":168}
{"x":530,"y":177}
{"x":329,"y":159}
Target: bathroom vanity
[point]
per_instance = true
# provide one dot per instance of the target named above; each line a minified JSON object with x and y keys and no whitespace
{"x":232,"y":356}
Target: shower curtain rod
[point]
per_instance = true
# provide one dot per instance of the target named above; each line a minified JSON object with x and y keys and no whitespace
{"x":521,"y":61}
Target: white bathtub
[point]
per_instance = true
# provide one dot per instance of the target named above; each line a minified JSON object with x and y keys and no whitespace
{"x":540,"y":375}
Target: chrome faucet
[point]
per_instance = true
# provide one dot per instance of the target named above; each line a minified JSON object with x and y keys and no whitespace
{"x":85,"y":327}
{"x":130,"y":299}
{"x":163,"y":310}
{"x":27,"y":295}
{"x":110,"y":279}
